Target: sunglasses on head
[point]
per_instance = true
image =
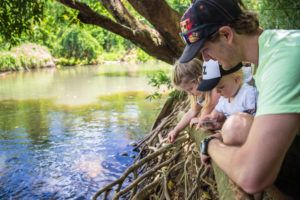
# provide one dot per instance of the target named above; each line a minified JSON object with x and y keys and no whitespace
{"x":194,"y":35}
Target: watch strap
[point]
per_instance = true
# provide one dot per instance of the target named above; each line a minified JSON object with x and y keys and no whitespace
{"x":204,"y":144}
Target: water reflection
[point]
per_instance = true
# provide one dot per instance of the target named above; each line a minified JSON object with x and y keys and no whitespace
{"x":54,"y":151}
{"x":74,"y":86}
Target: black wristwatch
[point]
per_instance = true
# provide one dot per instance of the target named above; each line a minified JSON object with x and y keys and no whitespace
{"x":204,"y":144}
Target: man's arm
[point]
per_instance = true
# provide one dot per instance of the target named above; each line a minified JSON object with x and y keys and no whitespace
{"x":255,"y":165}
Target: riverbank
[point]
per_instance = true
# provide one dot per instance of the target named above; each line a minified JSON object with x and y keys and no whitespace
{"x":25,"y":57}
{"x":33,"y":56}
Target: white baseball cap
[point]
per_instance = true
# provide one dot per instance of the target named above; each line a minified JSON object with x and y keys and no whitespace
{"x":212,"y":73}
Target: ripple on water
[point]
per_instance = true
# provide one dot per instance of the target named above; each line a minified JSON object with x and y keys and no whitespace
{"x":60,"y":152}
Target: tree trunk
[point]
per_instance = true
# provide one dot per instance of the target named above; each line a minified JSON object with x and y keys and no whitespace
{"x":158,"y":36}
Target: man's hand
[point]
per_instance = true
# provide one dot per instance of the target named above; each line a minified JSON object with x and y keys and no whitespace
{"x":205,"y":159}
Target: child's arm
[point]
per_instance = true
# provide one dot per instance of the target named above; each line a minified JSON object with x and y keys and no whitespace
{"x":212,"y":104}
{"x":184,"y":122}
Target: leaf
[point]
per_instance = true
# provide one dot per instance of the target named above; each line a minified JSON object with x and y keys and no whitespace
{"x":205,"y":196}
{"x":170,"y":185}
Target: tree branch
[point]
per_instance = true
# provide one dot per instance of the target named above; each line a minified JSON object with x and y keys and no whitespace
{"x":117,"y":9}
{"x":163,"y":18}
{"x":89,"y":16}
{"x":147,"y":38}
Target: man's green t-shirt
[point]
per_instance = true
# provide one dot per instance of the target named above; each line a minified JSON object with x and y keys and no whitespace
{"x":278,"y":73}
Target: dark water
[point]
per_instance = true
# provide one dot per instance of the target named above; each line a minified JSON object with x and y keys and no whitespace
{"x":55,"y":145}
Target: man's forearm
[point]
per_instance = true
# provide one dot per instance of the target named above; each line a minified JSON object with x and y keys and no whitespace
{"x":255,"y":164}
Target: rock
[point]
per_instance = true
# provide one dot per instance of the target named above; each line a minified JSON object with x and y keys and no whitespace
{"x":134,"y":144}
{"x":124,"y":154}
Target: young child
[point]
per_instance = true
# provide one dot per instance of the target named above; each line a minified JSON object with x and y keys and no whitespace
{"x":187,"y":77}
{"x":236,"y":96}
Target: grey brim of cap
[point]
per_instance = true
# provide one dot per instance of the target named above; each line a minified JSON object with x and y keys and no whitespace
{"x":207,"y":85}
{"x":191,"y":50}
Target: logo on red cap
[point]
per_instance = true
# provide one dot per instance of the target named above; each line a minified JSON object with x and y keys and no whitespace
{"x":186,"y":25}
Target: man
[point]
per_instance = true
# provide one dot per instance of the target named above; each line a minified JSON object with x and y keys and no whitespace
{"x":223,"y":30}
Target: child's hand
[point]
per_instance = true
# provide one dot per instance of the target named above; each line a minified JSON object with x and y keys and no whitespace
{"x":195,"y":121}
{"x":207,"y":124}
{"x":172,"y":136}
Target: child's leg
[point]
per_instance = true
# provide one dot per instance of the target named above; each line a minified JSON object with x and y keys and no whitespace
{"x":234,"y":132}
{"x":236,"y":129}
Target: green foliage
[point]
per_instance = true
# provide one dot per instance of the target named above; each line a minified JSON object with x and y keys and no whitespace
{"x":161,"y":80}
{"x":179,"y":5}
{"x":25,"y":56}
{"x":142,"y":56}
{"x":111,"y":56}
{"x":68,"y":62}
{"x":110,"y":41}
{"x":158,"y":80}
{"x":276,"y":14}
{"x":279,"y":14}
{"x":19,"y":16}
{"x":80,"y":45}
{"x":50,"y":23}
{"x":10,"y":62}
{"x":7,"y":61}
{"x":57,"y":19}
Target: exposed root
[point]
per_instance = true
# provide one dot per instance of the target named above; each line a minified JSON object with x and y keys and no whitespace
{"x":157,"y":170}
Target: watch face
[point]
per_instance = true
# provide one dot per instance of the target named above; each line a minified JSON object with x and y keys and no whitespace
{"x":203,"y":147}
{"x":204,"y":144}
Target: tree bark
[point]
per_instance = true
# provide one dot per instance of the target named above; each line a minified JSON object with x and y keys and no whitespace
{"x":158,"y":36}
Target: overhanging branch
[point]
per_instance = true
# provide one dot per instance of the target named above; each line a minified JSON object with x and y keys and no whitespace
{"x":146,"y":37}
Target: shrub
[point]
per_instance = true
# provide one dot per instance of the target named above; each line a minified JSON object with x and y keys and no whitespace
{"x":79,"y":45}
{"x":25,"y":56}
{"x":142,"y":56}
{"x":7,"y":61}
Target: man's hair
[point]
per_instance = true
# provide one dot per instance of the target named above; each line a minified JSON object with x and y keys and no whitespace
{"x":247,"y":23}
{"x":187,"y":72}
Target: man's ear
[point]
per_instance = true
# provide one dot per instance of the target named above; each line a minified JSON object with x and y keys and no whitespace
{"x":227,"y":32}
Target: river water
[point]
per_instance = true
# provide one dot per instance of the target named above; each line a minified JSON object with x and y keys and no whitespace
{"x":63,"y":133}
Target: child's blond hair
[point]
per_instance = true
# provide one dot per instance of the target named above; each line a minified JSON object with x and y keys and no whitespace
{"x":187,"y":72}
{"x":239,"y":75}
{"x":190,"y":72}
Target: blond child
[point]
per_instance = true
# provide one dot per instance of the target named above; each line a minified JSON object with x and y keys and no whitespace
{"x":236,"y":96}
{"x":187,"y":77}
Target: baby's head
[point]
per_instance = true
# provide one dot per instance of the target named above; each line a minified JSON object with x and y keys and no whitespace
{"x":227,"y":82}
{"x":230,"y":84}
{"x":187,"y":76}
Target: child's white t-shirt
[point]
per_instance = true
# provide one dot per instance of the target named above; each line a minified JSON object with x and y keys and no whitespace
{"x":247,"y":71}
{"x":244,"y":101}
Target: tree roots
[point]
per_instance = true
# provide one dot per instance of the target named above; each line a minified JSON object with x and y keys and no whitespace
{"x":163,"y":170}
